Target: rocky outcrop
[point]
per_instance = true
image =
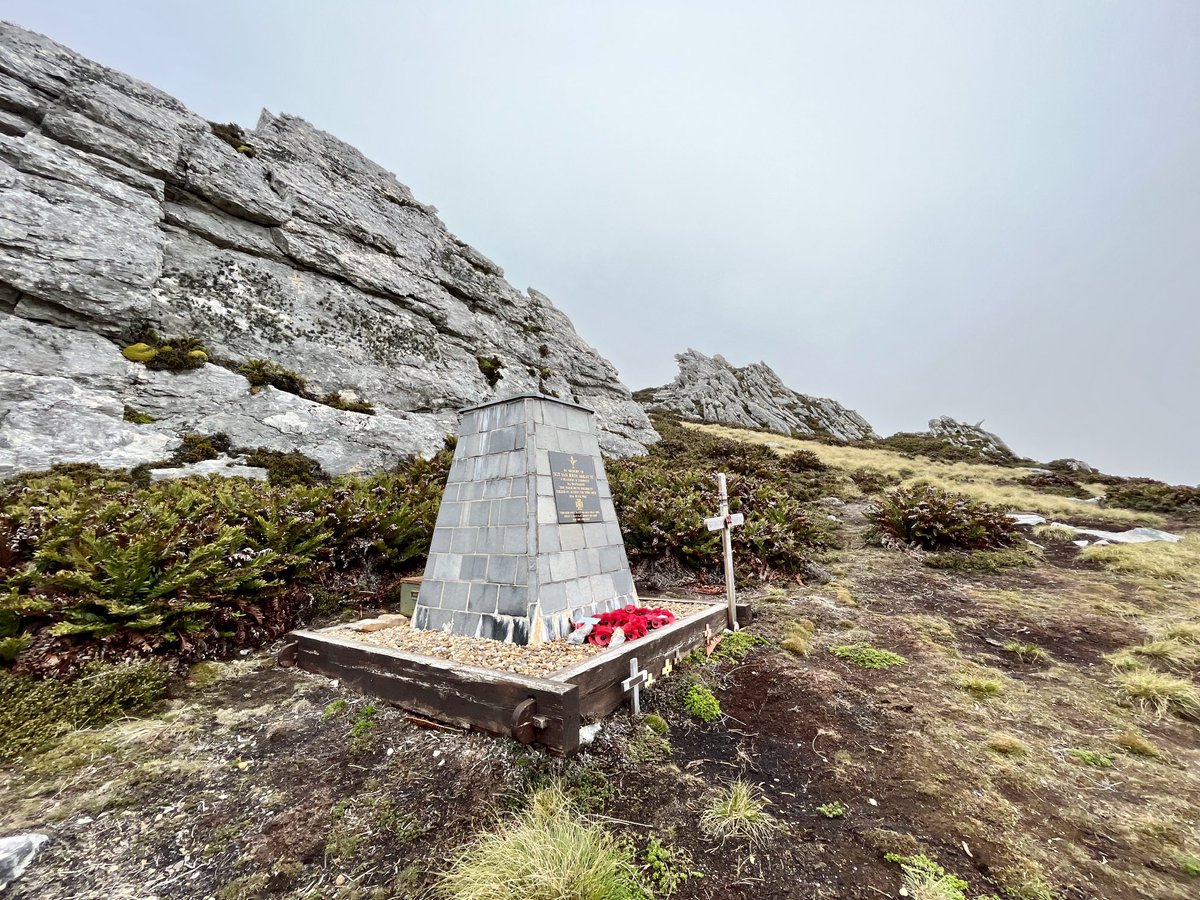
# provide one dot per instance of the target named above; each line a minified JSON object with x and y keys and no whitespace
{"x":969,"y":437}
{"x":120,"y":210}
{"x":709,"y":389}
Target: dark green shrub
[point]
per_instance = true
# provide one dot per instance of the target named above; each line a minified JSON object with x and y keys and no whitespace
{"x":1147,"y":495}
{"x":260,"y":372}
{"x":285,"y":469}
{"x":491,"y":367}
{"x":350,"y":404}
{"x":190,"y":568}
{"x":919,"y":444}
{"x":200,"y":447}
{"x":872,"y":481}
{"x":1055,"y":483}
{"x":933,"y":519}
{"x":804,"y":461}
{"x":34,"y":713}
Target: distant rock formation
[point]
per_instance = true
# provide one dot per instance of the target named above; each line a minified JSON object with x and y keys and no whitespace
{"x":969,"y":437}
{"x":709,"y":389}
{"x":121,"y":210}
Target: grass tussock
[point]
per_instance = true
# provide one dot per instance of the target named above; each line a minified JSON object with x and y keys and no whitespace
{"x":549,"y":852}
{"x":1158,"y":692}
{"x":980,"y":686}
{"x":980,"y":481}
{"x":1158,"y":560}
{"x":1137,"y":744}
{"x":1170,"y":653}
{"x":1007,"y":745}
{"x":738,"y":812}
{"x":798,"y":638}
{"x":1056,"y":533}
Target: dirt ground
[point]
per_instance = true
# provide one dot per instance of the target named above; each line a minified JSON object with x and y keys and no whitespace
{"x":258,"y":781}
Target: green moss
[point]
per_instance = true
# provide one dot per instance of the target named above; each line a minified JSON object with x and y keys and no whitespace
{"x":833,"y":810}
{"x":285,"y":469}
{"x":736,"y":646}
{"x":200,"y":447}
{"x":491,"y":367}
{"x":176,"y":354}
{"x":702,"y":703}
{"x":656,"y":723}
{"x":348,"y":403}
{"x":1090,"y":758}
{"x":1189,"y":865}
{"x":136,"y":416}
{"x":35,"y":713}
{"x":867,"y":657}
{"x":262,"y":372}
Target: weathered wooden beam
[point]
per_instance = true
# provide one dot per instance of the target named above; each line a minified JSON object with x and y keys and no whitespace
{"x":470,"y":696}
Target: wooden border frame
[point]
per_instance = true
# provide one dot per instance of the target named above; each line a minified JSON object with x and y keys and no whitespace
{"x":548,"y":710}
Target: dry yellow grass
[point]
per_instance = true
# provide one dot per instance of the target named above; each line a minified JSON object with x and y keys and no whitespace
{"x":979,"y":481}
{"x":1157,"y":560}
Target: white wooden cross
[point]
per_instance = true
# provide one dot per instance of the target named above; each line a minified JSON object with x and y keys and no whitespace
{"x":725,"y":522}
{"x":634,"y":683}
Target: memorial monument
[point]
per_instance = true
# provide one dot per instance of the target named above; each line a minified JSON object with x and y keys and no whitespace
{"x":526,"y":539}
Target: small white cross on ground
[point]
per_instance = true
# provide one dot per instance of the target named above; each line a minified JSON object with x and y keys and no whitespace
{"x":634,"y":683}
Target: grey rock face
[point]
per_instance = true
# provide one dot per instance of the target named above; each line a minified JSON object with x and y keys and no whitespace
{"x":121,"y":210}
{"x":709,"y":389}
{"x":971,"y":437}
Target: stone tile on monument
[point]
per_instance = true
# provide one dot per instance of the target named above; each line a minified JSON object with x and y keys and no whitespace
{"x":512,"y":600}
{"x":454,"y":594}
{"x":562,"y":566}
{"x":479,"y":513}
{"x":542,"y":462}
{"x":511,"y":511}
{"x":587,"y":562}
{"x":483,"y":598}
{"x":570,"y":536}
{"x":501,"y":569}
{"x":553,"y":598}
{"x":516,"y":539}
{"x":612,"y":559}
{"x":465,"y":623}
{"x":546,"y":510}
{"x":545,"y":488}
{"x":548,"y":539}
{"x":440,"y":542}
{"x":474,"y":567}
{"x":463,"y":540}
{"x":594,"y":536}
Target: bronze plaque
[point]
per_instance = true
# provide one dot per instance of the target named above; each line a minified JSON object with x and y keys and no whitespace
{"x":575,"y":494}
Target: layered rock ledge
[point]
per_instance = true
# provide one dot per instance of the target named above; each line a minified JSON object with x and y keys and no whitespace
{"x":121,"y":210}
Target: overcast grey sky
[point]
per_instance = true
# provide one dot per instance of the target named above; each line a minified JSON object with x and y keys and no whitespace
{"x":984,"y":209}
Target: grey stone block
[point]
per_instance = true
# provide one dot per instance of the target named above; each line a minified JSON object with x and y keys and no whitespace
{"x":431,"y":593}
{"x":613,"y":532}
{"x":479,"y":513}
{"x":548,"y":539}
{"x":546,"y":511}
{"x":571,"y":537}
{"x":448,"y":515}
{"x":444,"y":566}
{"x":464,"y":540}
{"x":454,"y":594}
{"x":562,"y":566}
{"x":515,"y":539}
{"x":513,"y":601}
{"x":612,"y":559}
{"x":502,"y":440}
{"x":594,"y":535}
{"x":586,"y":565}
{"x":436,"y":619}
{"x":502,"y":568}
{"x":483,"y":598}
{"x":466,"y":623}
{"x":511,"y":511}
{"x":500,"y":488}
{"x":441,"y":540}
{"x":474,"y":567}
{"x":471,"y":490}
{"x":542,"y":462}
{"x":622,"y":582}
{"x":602,"y":587}
{"x":545,"y":488}
{"x":553,"y":598}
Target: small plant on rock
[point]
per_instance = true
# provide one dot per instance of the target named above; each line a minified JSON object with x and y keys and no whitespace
{"x":491,"y":368}
{"x":262,"y":372}
{"x":1090,"y":758}
{"x":349,"y":402}
{"x":833,"y":810}
{"x":797,"y":640}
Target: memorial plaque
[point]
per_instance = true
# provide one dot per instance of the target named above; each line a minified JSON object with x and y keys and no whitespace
{"x":575,"y":494}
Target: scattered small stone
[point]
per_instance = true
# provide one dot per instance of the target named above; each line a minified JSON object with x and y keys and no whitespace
{"x":390,"y":620}
{"x":542,"y":659}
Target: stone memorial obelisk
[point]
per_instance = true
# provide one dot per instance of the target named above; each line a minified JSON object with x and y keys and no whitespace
{"x":526,"y":539}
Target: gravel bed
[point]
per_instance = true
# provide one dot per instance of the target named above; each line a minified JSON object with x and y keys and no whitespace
{"x":542,"y":660}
